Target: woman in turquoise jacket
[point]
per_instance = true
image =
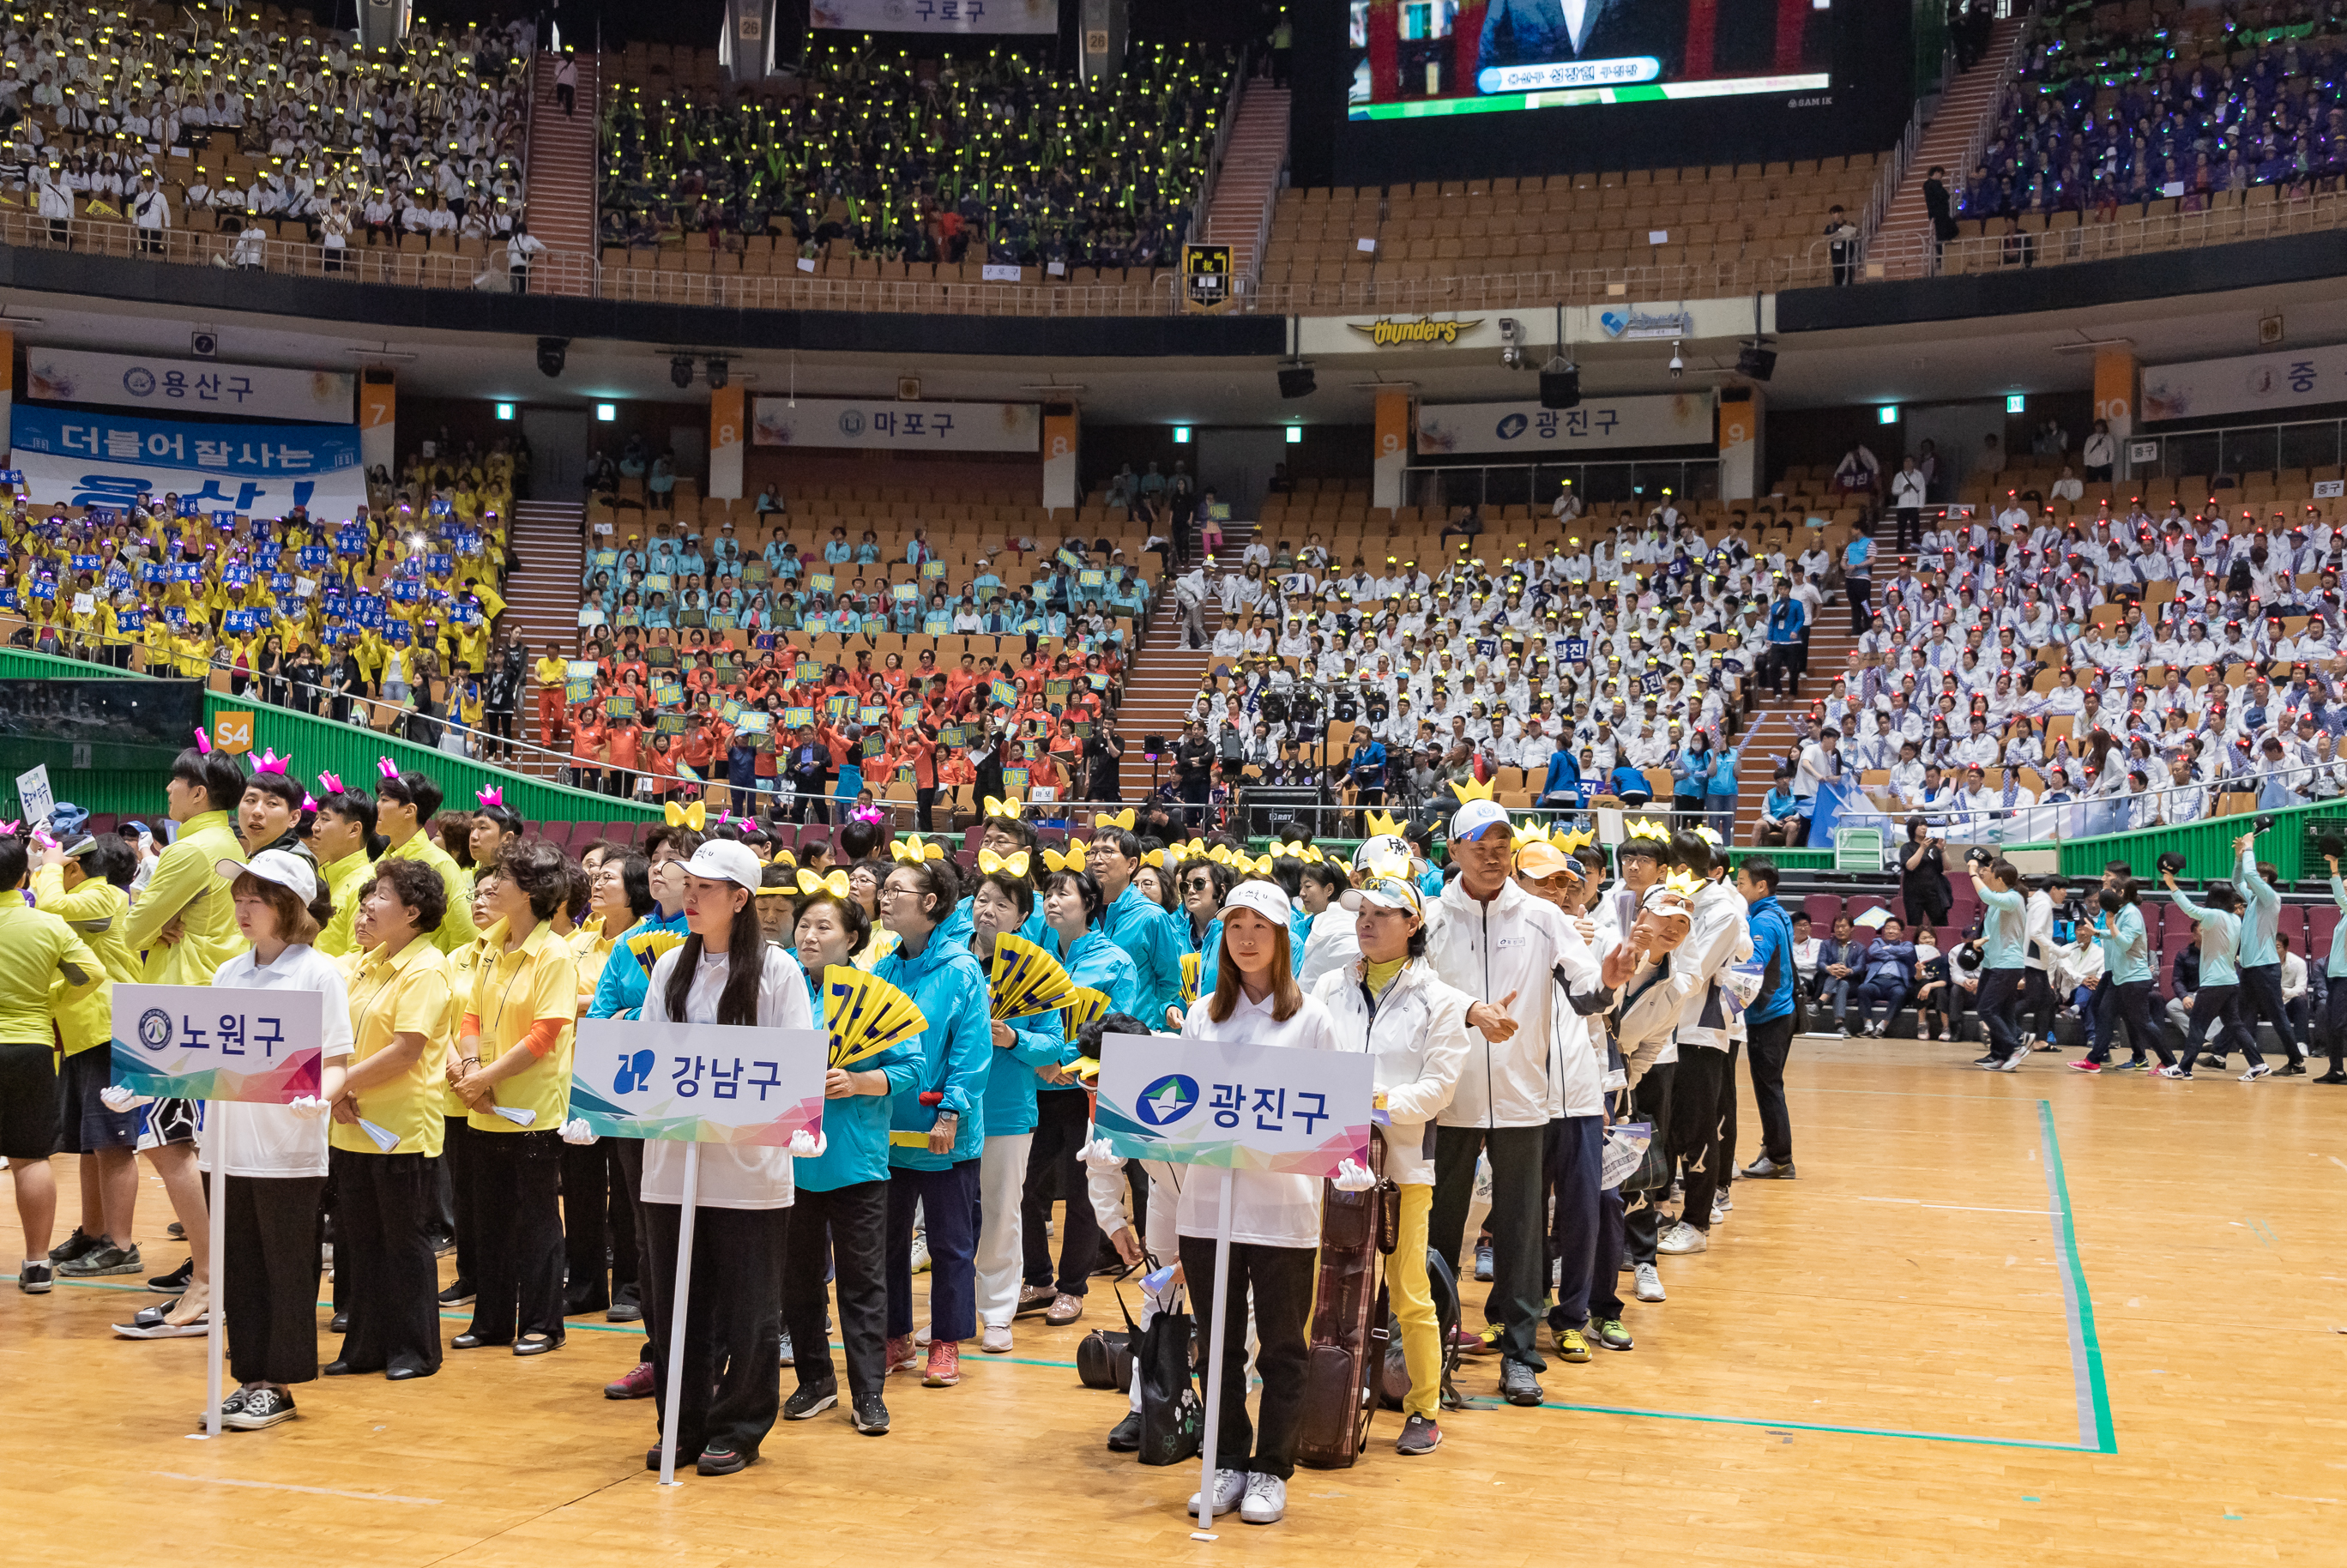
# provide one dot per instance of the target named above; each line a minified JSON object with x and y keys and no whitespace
{"x":1719,"y":791}
{"x":840,"y":1216}
{"x":2218,"y":1001}
{"x":938,"y":1133}
{"x":1072,"y":903}
{"x":1022,"y":1047}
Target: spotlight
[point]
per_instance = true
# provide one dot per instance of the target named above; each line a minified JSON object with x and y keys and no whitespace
{"x":1560,"y":386}
{"x":1297,"y":381}
{"x":550,"y":351}
{"x":1757,"y":362}
{"x":717,"y":374}
{"x":680,"y":370}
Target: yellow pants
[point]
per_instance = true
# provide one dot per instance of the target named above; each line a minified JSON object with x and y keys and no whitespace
{"x":1413,"y":1302}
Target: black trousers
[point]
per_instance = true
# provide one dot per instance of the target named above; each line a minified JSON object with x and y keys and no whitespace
{"x":519,"y":1257}
{"x":732,"y":1325}
{"x":1576,"y":1150}
{"x":1519,"y":1294}
{"x":845,"y":1230}
{"x":1650,"y":1102}
{"x":1999,"y":997}
{"x":924,"y":803}
{"x":2261,"y":997}
{"x":1055,"y":1158}
{"x":2131,"y":1007}
{"x":1704,"y":1075}
{"x":1771,"y":1046}
{"x":2039,"y":1004}
{"x":627,"y":1153}
{"x":2217,"y":1007}
{"x":383,"y":1269}
{"x":597,"y":1216}
{"x":2334,"y":1023}
{"x":1861,"y":614}
{"x":1282,"y":1279}
{"x":458,"y":1145}
{"x":270,"y":1284}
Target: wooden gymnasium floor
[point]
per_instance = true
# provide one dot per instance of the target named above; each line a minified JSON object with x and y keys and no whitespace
{"x":2040,"y":1318}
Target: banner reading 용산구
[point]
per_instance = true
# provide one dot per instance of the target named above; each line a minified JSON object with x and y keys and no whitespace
{"x":898,"y":427}
{"x":153,"y":385}
{"x":88,"y":459}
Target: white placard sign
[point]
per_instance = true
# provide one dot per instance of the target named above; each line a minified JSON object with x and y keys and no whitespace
{"x":935,"y":16}
{"x":1240,"y":1107}
{"x":173,"y":388}
{"x":898,"y":427}
{"x":705,"y":1082}
{"x":2247,"y":384}
{"x":218,"y":1043}
{"x":1667,"y":420}
{"x":34,"y":800}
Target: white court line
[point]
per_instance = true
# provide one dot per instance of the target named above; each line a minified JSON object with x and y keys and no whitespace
{"x":314,"y":1490}
{"x":1972,"y":1208}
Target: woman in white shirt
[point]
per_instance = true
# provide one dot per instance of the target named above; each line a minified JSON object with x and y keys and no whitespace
{"x":273,"y":1157}
{"x":743,"y":1196}
{"x":1275,"y":1218}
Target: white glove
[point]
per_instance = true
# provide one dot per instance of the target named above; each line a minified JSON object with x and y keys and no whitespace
{"x":575,"y":1130}
{"x":1098,"y":1157}
{"x":1352,"y":1176}
{"x":116,"y":1099}
{"x":308,"y":1107}
{"x":806,"y":1146}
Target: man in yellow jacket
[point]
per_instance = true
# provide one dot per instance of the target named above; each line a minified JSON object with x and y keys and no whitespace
{"x":405,"y":805}
{"x":184,"y":924}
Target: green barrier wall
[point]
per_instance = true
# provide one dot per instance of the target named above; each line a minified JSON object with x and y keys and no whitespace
{"x":2207,"y":846}
{"x":130,"y":779}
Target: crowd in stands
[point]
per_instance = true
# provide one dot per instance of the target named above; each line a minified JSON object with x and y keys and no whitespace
{"x":203,"y":117}
{"x":872,"y":155}
{"x":2181,"y":105}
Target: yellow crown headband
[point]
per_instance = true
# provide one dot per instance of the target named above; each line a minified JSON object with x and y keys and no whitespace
{"x":1531,"y":830}
{"x":1680,"y":883}
{"x":1647,"y":827}
{"x":1567,"y":843}
{"x":1381,"y":825}
{"x":1476,"y":789}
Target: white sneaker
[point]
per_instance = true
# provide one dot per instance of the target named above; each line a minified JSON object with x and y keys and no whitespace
{"x":1230,"y":1485}
{"x":1267,"y":1499}
{"x":920,"y":1255}
{"x":2254,"y":1074}
{"x":995,"y":1341}
{"x":1650,"y":1283}
{"x":1719,"y":1210}
{"x":1683,"y":1238}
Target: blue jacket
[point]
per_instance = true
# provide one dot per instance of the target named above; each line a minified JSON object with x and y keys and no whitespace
{"x":1563,"y":774}
{"x":1367,"y":767}
{"x":957,"y":1050}
{"x":1037,"y":1039}
{"x":1690,"y":771}
{"x":621,"y":991}
{"x":1786,"y":618}
{"x":855,"y":1130}
{"x":1896,"y":960}
{"x":1209,"y":949}
{"x":1772,"y":941}
{"x":1146,"y":930}
{"x":1099,"y":963}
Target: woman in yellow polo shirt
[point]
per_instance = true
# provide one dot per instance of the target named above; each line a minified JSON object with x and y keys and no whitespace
{"x":513,"y":1071}
{"x":387,"y":1128}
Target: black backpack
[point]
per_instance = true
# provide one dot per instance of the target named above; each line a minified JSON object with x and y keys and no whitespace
{"x":1393,"y":1380}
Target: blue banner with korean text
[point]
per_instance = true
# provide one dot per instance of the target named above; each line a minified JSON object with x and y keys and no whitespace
{"x":102,"y":459}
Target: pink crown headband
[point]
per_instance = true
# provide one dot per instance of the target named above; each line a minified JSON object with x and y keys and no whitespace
{"x":387,"y":767}
{"x":270,"y":763}
{"x":490,"y":796}
{"x":203,"y":742}
{"x":332,"y":782}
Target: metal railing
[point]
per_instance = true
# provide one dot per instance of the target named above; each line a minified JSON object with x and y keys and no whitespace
{"x":2264,"y":448}
{"x":2066,"y":237}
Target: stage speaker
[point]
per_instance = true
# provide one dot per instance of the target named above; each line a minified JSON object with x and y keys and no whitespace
{"x":1758,"y":363}
{"x":1297,"y":382}
{"x":1560,"y":388}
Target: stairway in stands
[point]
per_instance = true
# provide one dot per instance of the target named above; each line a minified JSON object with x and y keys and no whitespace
{"x":1163,"y":685}
{"x":1250,"y":173}
{"x":562,"y":177}
{"x":1768,"y":733}
{"x":1971,"y":98}
{"x":542,"y":594}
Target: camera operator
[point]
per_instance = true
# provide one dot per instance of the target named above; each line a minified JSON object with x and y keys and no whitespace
{"x":1923,"y":876}
{"x":2004,"y":948}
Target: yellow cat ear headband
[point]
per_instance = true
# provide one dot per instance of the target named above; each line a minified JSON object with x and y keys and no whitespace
{"x":1122,"y":819}
{"x":835,"y":883}
{"x":989,"y":863}
{"x":692,"y":816}
{"x":1004,"y":808}
{"x":911,"y":851}
{"x":1073,"y":860}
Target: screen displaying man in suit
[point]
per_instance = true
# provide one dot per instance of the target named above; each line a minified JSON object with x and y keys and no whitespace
{"x":1547,"y":32}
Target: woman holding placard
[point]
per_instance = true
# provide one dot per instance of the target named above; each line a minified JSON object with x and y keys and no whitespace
{"x":1275,"y":1219}
{"x":512,"y":1071}
{"x":936,"y":1168}
{"x":388,"y":1127}
{"x":841,"y":1208}
{"x":273,"y":1157}
{"x":725,"y":973}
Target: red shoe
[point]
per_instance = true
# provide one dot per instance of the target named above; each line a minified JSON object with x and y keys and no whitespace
{"x":2088,"y":1064}
{"x":903,"y":1356}
{"x":945,"y":1365}
{"x":636,"y":1385}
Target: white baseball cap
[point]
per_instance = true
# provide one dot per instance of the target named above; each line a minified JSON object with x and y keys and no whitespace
{"x":1384,"y":892}
{"x":281,"y":866}
{"x":723,"y":860}
{"x":1265,"y":898}
{"x":1473,"y":819}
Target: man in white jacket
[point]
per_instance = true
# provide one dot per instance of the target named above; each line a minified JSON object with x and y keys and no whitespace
{"x":1721,"y":936}
{"x":1389,"y":1003}
{"x":1488,"y":937}
{"x":1652,"y":1059}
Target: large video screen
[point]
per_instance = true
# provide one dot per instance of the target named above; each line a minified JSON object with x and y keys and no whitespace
{"x":1415,"y":58}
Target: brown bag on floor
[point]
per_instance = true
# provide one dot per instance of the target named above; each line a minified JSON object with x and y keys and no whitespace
{"x":1349,"y":1329}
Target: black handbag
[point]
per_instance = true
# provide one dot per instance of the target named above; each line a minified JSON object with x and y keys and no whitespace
{"x":1172,"y":1420}
{"x":1104,"y":1356}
